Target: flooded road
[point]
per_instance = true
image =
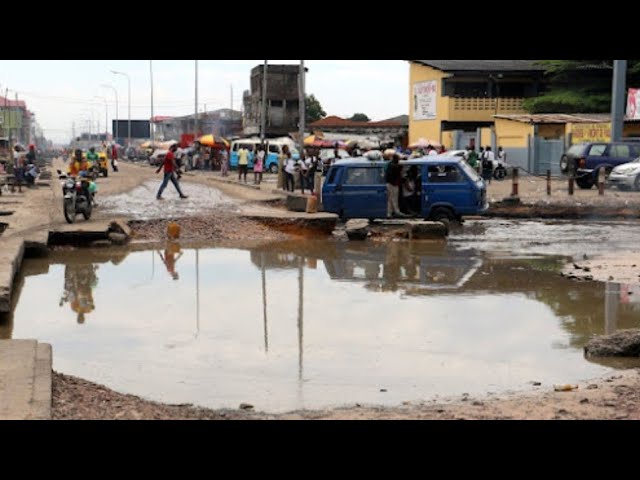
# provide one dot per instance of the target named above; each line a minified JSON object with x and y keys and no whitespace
{"x":547,"y":237}
{"x":313,"y":324}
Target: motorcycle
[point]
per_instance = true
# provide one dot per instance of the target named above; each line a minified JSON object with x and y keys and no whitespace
{"x":77,"y":197}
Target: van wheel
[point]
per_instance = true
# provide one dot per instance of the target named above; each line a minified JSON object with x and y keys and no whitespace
{"x":585,"y":182}
{"x":442,"y":214}
{"x":273,"y":168}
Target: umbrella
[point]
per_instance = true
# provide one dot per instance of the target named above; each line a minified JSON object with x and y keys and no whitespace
{"x":213,"y":141}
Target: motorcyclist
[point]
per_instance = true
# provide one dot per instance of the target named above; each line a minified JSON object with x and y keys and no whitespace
{"x":79,"y":167}
{"x":92,"y":158}
{"x":76,"y":163}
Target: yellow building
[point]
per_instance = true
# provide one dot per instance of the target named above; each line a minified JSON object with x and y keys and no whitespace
{"x":453,"y":102}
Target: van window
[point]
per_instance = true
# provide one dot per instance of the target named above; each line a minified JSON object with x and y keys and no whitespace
{"x":235,"y":147}
{"x":274,"y":148}
{"x":364,"y":176}
{"x":445,"y":174}
{"x":597,"y":150}
{"x":332,"y":175}
{"x":620,"y":151}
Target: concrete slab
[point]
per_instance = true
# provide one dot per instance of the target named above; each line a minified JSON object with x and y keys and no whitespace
{"x":11,"y":255}
{"x":43,"y":383}
{"x":17,"y":376}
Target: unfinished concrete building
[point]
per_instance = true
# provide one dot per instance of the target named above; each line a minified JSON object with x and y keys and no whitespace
{"x":282,"y":101}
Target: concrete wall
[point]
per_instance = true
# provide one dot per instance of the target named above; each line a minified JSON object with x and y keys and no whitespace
{"x":512,"y":134}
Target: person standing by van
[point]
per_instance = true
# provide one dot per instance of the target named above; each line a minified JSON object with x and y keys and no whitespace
{"x":393,"y":179}
{"x":290,"y":170}
{"x":224,"y":163}
{"x":258,"y":166}
{"x":243,"y":163}
{"x":282,"y":160}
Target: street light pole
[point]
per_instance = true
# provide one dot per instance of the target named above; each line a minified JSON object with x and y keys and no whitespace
{"x":196,"y":132}
{"x":263,"y":111}
{"x":116,"y":92}
{"x":106,"y":113}
{"x":618,"y":99}
{"x":128,"y":101}
{"x":301,"y":105}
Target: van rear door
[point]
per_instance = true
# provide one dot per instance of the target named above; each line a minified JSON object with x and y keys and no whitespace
{"x":446,"y":185}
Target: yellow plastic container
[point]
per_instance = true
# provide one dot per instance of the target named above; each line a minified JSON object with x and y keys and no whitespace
{"x":173,"y":230}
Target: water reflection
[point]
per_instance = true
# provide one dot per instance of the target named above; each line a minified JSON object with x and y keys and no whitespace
{"x":79,"y":281}
{"x":172,"y":254}
{"x":313,"y":323}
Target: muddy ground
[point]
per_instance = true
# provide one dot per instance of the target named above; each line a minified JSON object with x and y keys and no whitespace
{"x":613,"y":397}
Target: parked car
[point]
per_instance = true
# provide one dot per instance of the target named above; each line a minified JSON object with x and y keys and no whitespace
{"x":450,"y":188}
{"x":626,"y":176}
{"x":585,"y":159}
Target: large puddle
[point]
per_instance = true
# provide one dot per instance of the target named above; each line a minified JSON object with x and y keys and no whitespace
{"x":316,"y":323}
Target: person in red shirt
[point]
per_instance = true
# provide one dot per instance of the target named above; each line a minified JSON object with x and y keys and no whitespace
{"x":170,"y":168}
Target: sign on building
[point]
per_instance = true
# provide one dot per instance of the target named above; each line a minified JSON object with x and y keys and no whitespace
{"x":424,"y":100}
{"x":633,"y":104}
{"x":590,"y":132}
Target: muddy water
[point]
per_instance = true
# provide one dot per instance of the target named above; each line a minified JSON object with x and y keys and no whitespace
{"x":315,"y":324}
{"x":539,"y":237}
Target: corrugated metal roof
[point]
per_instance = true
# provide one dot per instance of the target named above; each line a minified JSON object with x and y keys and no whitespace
{"x":482,"y":65}
{"x":334,"y":121}
{"x":559,"y":117}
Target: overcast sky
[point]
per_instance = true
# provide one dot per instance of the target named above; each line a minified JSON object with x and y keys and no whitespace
{"x":61,"y":92}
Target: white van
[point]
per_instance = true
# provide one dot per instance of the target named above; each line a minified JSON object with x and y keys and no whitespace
{"x":274,"y":150}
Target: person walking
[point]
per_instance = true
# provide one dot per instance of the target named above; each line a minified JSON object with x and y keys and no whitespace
{"x":170,"y":167}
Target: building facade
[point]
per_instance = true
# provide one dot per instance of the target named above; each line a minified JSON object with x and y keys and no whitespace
{"x":451,"y":100}
{"x":15,"y":120}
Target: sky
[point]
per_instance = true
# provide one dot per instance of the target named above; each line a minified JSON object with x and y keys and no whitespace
{"x":63,"y":92}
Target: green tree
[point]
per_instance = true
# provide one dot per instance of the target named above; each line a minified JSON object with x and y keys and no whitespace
{"x":579,"y":86}
{"x":313,"y":109}
{"x":359,"y":117}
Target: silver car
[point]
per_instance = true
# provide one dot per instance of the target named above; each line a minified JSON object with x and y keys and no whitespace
{"x":626,"y":176}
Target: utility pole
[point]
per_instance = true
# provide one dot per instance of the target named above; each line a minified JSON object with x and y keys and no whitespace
{"x":151,"y":125}
{"x":196,"y":132}
{"x":263,"y":115}
{"x":301,"y":106}
{"x":618,"y":99}
{"x":6,"y":111}
{"x":231,"y":96}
